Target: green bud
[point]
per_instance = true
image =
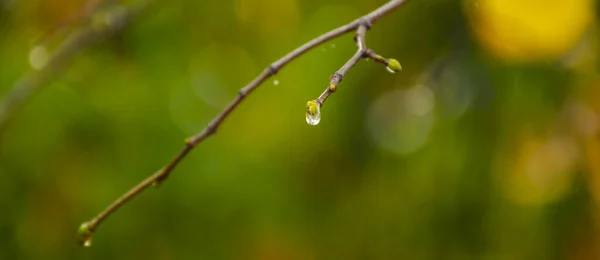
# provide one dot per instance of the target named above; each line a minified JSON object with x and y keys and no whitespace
{"x":393,"y":65}
{"x":312,"y":107}
{"x":332,"y":87}
{"x":84,"y":234}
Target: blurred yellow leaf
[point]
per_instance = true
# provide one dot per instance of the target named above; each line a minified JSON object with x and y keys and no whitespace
{"x":541,"y":171}
{"x":517,"y":30}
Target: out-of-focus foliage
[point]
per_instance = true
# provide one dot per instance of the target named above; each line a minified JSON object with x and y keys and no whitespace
{"x":530,"y":30}
{"x":485,"y":146}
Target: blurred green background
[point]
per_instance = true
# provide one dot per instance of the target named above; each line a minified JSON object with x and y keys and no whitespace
{"x":486,"y":146}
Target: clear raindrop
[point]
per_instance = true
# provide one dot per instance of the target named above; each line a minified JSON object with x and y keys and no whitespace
{"x":390,"y":70}
{"x":313,"y":119}
{"x":85,"y":235}
{"x":87,"y":242}
{"x":275,"y":82}
{"x":313,"y":112}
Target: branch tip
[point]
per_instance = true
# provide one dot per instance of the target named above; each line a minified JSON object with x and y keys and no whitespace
{"x":394,"y":66}
{"x":84,"y":234}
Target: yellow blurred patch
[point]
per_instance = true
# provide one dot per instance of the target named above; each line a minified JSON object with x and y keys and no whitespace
{"x":529,"y":30}
{"x":541,"y":171}
{"x":268,"y":15}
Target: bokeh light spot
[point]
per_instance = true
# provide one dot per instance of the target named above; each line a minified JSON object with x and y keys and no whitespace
{"x":401,"y":120}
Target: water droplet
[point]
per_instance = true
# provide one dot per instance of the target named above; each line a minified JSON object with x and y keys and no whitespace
{"x":275,"y":82}
{"x":85,"y":235}
{"x":313,"y":112}
{"x":88,"y":242}
{"x":313,"y":119}
{"x":390,"y":70}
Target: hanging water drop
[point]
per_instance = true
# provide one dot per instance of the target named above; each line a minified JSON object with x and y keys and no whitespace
{"x":390,"y":70}
{"x":313,"y":112}
{"x":84,"y":235}
{"x":88,"y":242}
{"x":275,"y":82}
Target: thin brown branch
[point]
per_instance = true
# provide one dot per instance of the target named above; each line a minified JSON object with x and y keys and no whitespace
{"x":338,"y":76}
{"x":362,"y":53}
{"x":114,"y":21}
{"x":360,"y":25}
{"x":376,"y":57}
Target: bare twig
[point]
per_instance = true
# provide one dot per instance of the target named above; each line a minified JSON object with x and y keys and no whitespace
{"x":337,"y":77}
{"x":313,"y":107}
{"x":109,"y":22}
{"x":360,"y":25}
{"x":390,"y":63}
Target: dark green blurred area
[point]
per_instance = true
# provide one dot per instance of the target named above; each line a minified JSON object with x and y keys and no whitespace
{"x":463,"y":155}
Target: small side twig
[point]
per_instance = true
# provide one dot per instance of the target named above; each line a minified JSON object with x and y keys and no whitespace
{"x":361,"y":25}
{"x":338,"y":76}
{"x":313,"y":107}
